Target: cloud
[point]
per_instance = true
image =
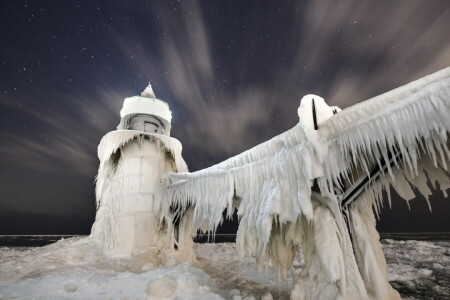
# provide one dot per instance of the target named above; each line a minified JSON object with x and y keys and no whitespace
{"x":61,"y":133}
{"x":233,"y":75}
{"x":346,"y":52}
{"x":234,"y":83}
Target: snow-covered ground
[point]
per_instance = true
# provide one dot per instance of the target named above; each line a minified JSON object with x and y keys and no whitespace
{"x":419,"y":269}
{"x":76,"y":269}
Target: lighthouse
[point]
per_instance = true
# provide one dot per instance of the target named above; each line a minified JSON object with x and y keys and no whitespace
{"x":131,"y":217}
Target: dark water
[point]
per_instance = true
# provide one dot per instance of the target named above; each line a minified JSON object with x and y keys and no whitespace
{"x":418,"y":236}
{"x":42,"y":240}
{"x":30,"y":240}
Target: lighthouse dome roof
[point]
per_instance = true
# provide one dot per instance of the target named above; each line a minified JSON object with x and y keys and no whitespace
{"x":146,"y":103}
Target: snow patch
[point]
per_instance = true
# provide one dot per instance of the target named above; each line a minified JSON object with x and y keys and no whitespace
{"x":163,"y":287}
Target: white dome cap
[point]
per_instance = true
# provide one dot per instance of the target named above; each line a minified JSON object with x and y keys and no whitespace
{"x":148,"y":104}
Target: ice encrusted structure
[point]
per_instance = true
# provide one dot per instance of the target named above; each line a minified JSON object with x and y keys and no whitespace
{"x":134,"y":159}
{"x":289,"y":190}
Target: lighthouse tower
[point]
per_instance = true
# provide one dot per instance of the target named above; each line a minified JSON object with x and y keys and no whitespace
{"x":130,"y":188}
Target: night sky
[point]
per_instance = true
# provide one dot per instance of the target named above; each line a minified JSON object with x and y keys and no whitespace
{"x":233,"y":73}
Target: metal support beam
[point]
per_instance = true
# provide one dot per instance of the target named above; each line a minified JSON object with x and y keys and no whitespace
{"x":358,"y":187}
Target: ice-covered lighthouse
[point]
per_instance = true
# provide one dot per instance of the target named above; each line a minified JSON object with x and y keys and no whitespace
{"x":130,"y":217}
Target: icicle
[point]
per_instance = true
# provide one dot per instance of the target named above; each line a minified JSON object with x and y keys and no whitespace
{"x":402,"y":132}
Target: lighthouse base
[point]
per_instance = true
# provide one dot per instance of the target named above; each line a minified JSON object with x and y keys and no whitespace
{"x":128,"y":221}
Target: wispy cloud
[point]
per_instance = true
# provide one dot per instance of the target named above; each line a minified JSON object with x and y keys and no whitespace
{"x":233,"y":74}
{"x":346,"y":52}
{"x":230,"y":91}
{"x":62,"y":133}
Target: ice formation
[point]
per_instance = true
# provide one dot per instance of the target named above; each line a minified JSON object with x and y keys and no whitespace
{"x":130,"y":219}
{"x":76,"y":268}
{"x":317,"y":187}
{"x":299,"y":188}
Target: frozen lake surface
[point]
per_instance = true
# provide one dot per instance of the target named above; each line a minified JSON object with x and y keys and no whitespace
{"x":75,"y":269}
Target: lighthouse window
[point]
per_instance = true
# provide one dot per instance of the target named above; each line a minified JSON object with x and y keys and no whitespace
{"x":150,"y":127}
{"x":146,"y":123}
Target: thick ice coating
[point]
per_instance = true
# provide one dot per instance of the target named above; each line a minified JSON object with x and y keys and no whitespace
{"x":292,"y":190}
{"x":129,"y":191}
{"x":134,"y":160}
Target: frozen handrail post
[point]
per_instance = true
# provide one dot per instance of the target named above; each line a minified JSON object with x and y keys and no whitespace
{"x":314,"y":115}
{"x":296,"y":190}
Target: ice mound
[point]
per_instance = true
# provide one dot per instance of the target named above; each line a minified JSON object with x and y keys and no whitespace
{"x":77,"y":269}
{"x":419,"y":270}
{"x":163,"y":287}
